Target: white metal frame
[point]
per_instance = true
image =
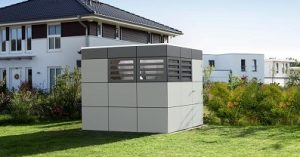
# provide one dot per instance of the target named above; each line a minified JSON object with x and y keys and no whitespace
{"x":17,"y":28}
{"x":53,"y":36}
{"x":48,"y":74}
{"x":26,"y":38}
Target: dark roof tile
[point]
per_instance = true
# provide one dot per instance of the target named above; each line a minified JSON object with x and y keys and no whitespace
{"x":32,"y":10}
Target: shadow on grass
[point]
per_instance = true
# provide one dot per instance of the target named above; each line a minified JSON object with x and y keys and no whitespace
{"x":7,"y":120}
{"x":45,"y":142}
{"x":251,"y":131}
{"x":58,"y":124}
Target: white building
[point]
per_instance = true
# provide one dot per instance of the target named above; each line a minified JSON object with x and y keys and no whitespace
{"x":40,"y":37}
{"x":250,"y":66}
{"x":277,"y":70}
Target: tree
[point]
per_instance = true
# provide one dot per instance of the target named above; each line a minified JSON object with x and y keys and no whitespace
{"x":294,"y":78}
{"x":207,"y":74}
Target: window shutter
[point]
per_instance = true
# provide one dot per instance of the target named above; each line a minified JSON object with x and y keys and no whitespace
{"x":39,"y":31}
{"x":134,"y":35}
{"x":23,"y":32}
{"x":7,"y":33}
{"x":109,"y":31}
{"x":93,"y":28}
{"x":156,"y":38}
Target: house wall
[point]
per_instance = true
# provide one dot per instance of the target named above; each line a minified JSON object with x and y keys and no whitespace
{"x":274,"y":75}
{"x":226,"y":63}
{"x":42,"y":60}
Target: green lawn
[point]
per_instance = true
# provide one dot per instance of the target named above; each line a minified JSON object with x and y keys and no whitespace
{"x":66,"y":139}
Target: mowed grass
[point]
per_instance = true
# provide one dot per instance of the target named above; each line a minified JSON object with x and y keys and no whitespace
{"x":67,"y":139}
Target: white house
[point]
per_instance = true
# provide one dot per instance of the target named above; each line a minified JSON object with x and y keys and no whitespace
{"x":277,"y":70}
{"x":250,"y":66}
{"x":40,"y":37}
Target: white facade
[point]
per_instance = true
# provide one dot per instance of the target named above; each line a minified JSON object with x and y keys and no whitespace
{"x":250,"y":66}
{"x":277,"y":71}
{"x":40,"y":59}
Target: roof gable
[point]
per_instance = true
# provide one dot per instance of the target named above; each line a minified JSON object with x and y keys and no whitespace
{"x":41,"y":9}
{"x":33,"y":10}
{"x":109,"y":11}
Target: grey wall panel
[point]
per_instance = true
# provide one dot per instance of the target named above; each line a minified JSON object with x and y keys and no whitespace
{"x":173,"y":51}
{"x":186,"y":53}
{"x":187,"y":119}
{"x":174,"y":94}
{"x":152,"y":51}
{"x":198,"y":115}
{"x":123,"y":119}
{"x":123,"y":95}
{"x":152,"y":94}
{"x":95,"y":118}
{"x":187,"y":93}
{"x":197,"y":54}
{"x":175,"y":119}
{"x":197,"y":70}
{"x":154,"y":120}
{"x":94,"y":53}
{"x":95,"y":70}
{"x":95,"y":94}
{"x":122,"y":52}
{"x":197,"y":92}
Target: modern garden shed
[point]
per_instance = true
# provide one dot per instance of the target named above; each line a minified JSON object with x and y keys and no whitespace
{"x":141,"y":88}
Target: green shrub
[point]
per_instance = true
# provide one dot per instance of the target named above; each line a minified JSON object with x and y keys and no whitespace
{"x":21,"y":107}
{"x":5,"y":99}
{"x":221,"y":102}
{"x":3,"y":88}
{"x":65,"y":97}
{"x":253,"y":103}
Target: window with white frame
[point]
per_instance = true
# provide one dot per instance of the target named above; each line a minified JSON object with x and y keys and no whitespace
{"x":254,"y":65}
{"x":3,"y":40}
{"x":54,"y":35}
{"x":99,"y":30}
{"x":28,"y":38}
{"x":243,"y":65}
{"x":16,"y":39}
{"x":53,"y":73}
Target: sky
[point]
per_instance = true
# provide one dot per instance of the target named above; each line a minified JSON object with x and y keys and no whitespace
{"x":271,"y":27}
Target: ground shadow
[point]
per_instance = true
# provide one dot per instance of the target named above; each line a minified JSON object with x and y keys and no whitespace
{"x":44,"y":142}
{"x":251,"y":131}
{"x":59,"y":124}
